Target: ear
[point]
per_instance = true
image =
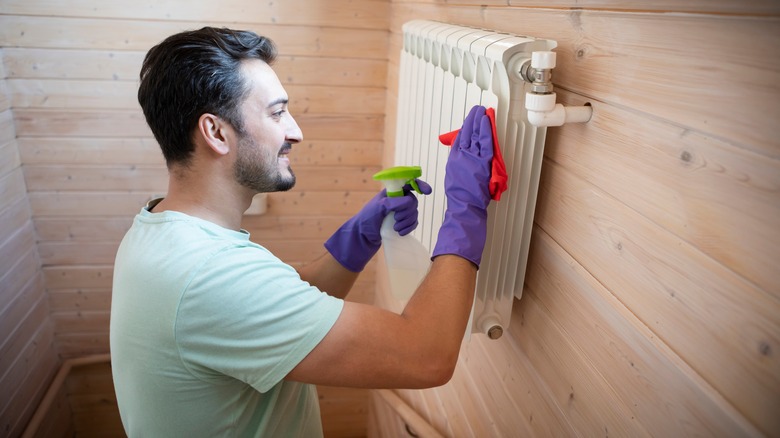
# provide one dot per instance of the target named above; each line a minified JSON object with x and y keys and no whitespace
{"x":214,"y":132}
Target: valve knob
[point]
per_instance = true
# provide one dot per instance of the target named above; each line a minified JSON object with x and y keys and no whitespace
{"x":543,"y":60}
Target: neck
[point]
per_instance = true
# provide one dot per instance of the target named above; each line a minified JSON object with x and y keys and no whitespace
{"x":206,"y":197}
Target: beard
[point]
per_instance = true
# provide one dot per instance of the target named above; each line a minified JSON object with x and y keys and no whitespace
{"x":258,"y":169}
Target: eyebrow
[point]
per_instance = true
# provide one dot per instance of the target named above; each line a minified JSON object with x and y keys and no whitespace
{"x":283,"y":100}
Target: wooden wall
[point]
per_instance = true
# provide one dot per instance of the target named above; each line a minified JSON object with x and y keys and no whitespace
{"x":28,"y":358}
{"x":652,"y":299}
{"x":89,"y":162}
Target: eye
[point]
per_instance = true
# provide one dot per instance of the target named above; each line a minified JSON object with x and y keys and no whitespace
{"x":278,"y":114}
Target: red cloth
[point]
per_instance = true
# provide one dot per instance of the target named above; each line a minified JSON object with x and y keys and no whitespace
{"x":498,"y":175}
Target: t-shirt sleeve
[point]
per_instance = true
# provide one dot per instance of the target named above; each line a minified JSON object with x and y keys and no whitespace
{"x":247,"y":315}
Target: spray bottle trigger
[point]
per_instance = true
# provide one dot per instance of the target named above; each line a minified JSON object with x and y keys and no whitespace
{"x":413,"y":183}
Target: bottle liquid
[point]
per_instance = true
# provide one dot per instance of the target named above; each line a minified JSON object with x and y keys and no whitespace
{"x":407,"y":259}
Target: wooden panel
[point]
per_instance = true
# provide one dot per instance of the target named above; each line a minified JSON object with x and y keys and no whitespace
{"x":718,"y":6}
{"x":118,"y":65}
{"x":12,"y":187}
{"x":80,"y":94}
{"x":370,"y":14}
{"x":58,"y":420}
{"x":7,"y":132}
{"x":344,"y":411}
{"x":80,"y":33}
{"x":722,"y":199}
{"x":9,"y":157}
{"x":76,"y":300}
{"x":122,"y":123}
{"x":73,"y":277}
{"x":759,"y":7}
{"x":653,"y":63}
{"x":82,"y":229}
{"x":71,"y":345}
{"x":40,"y":371}
{"x":140,"y":151}
{"x":155,"y":178}
{"x":645,"y":374}
{"x":720,"y":324}
{"x":93,"y":401}
{"x":21,"y":244}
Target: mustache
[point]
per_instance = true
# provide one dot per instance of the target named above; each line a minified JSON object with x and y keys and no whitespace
{"x":285,"y":148}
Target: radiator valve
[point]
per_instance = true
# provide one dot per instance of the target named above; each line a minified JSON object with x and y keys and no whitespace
{"x":540,"y":101}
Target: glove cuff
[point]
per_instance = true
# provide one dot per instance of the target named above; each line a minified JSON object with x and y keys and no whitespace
{"x":350,"y":249}
{"x":464,"y":238}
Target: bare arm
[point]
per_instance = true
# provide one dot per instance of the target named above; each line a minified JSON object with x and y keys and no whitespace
{"x":329,"y":276}
{"x":375,"y":348}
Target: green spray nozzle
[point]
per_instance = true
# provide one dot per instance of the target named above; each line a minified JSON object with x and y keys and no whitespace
{"x":395,"y":178}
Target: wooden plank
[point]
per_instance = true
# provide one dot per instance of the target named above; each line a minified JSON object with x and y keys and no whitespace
{"x":653,"y":63}
{"x":759,"y":7}
{"x":76,"y":300}
{"x":72,"y":345}
{"x":24,"y":401}
{"x":5,"y":94}
{"x":66,"y":151}
{"x":578,"y":388}
{"x":82,"y":229}
{"x":13,"y":217}
{"x":9,"y":157}
{"x":53,"y":32}
{"x":30,"y":347}
{"x":19,"y":242}
{"x":113,"y":94}
{"x":16,"y":272}
{"x":125,"y":123}
{"x":57,"y":422}
{"x":124,"y":204}
{"x":344,"y":411}
{"x":27,"y":62}
{"x":12,"y":187}
{"x":7,"y":130}
{"x":77,"y":253}
{"x":96,"y":178}
{"x":32,"y":63}
{"x":155,"y":178}
{"x":116,"y":204}
{"x":722,"y":199}
{"x":72,"y":277}
{"x":721,"y":325}
{"x":368,"y":14}
{"x":146,"y":151}
{"x":663,"y":393}
{"x":20,"y":318}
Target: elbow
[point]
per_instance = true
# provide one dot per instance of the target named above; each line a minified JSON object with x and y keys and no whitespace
{"x":438,"y":370}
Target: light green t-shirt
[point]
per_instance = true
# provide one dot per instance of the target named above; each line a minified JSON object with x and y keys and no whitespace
{"x":205,"y":325}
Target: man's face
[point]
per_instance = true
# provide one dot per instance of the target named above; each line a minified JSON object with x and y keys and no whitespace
{"x":269,"y":132}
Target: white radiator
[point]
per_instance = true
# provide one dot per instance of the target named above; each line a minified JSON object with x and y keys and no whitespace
{"x":445,"y":70}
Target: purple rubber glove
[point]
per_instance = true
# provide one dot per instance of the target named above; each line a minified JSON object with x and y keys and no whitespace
{"x":466,"y":185}
{"x":358,"y":239}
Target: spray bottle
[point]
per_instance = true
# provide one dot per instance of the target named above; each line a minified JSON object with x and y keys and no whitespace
{"x":407,"y":259}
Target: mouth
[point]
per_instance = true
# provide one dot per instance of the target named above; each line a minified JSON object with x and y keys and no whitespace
{"x":285,"y":150}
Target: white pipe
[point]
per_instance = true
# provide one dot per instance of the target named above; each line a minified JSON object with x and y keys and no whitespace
{"x":560,"y":115}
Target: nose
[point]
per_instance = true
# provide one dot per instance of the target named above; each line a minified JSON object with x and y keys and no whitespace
{"x":294,"y":133}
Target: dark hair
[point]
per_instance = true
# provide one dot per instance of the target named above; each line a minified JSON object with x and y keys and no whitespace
{"x":192,"y":73}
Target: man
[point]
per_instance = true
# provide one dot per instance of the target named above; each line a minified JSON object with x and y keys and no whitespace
{"x":212,"y":335}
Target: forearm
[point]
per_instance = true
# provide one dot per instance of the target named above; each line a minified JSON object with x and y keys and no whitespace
{"x":441,"y":306}
{"x":328,"y":276}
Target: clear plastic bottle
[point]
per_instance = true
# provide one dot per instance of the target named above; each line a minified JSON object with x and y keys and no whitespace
{"x":407,"y":259}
